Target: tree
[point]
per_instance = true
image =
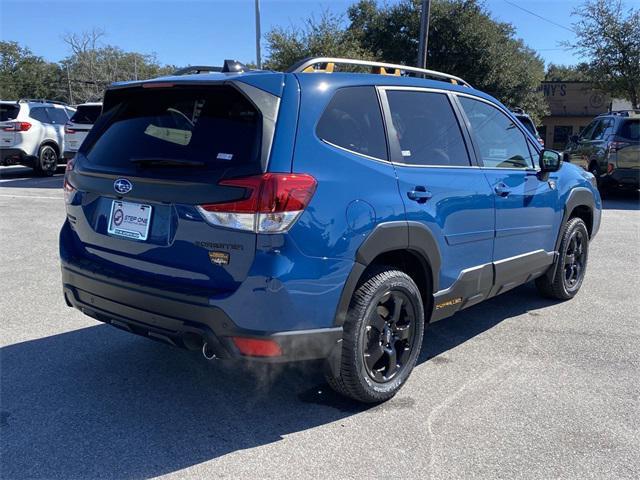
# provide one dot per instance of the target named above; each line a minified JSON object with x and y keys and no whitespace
{"x":608,"y":37}
{"x":463,"y":40}
{"x":326,"y":36}
{"x":567,"y":73}
{"x":25,"y":75}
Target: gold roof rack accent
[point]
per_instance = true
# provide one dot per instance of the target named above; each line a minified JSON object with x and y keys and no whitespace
{"x":327,"y":65}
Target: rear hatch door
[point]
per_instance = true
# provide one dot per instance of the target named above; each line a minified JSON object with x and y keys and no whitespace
{"x":628,"y":140}
{"x":157,"y":152}
{"x":8,"y":114}
{"x":79,"y":125}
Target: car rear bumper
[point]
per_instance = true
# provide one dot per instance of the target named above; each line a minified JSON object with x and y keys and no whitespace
{"x":182,"y":320}
{"x":69,"y":154}
{"x":624,"y":177}
{"x":13,"y":156}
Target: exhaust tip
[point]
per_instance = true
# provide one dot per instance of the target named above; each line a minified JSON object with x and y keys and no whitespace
{"x":207,"y":352}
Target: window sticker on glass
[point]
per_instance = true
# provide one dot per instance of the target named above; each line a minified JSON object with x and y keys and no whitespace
{"x":225,"y":156}
{"x":498,"y":152}
{"x":173,"y":135}
{"x":406,"y":153}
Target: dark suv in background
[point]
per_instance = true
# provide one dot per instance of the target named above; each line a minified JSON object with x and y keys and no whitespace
{"x":609,"y":148}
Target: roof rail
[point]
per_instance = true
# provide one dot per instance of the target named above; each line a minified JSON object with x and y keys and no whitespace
{"x":308,"y":65}
{"x":230,"y":66}
{"x":631,"y":112}
{"x":196,"y":69}
{"x":42,"y":100}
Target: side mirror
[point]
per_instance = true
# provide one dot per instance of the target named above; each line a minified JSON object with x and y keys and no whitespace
{"x":550,"y":161}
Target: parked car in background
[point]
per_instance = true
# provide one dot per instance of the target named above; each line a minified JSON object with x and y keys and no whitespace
{"x":79,"y":125}
{"x":609,"y":148}
{"x":314,"y":215}
{"x":528,"y":123}
{"x":32,"y":133}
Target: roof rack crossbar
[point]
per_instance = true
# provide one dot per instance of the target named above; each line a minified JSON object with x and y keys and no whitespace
{"x":307,"y":65}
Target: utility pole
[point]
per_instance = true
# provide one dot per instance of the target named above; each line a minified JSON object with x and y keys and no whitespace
{"x":258,"y":35}
{"x":424,"y":33}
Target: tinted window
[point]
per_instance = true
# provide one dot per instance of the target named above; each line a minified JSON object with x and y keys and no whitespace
{"x":561,"y":135}
{"x":39,"y":114}
{"x":57,"y":115}
{"x":427,"y":129}
{"x":602,"y":129}
{"x":630,"y":130}
{"x":587,"y":132}
{"x":352,"y":120}
{"x":8,"y":112}
{"x":86,"y":114}
{"x":214,"y":126}
{"x":528,"y":124}
{"x":500,"y":141}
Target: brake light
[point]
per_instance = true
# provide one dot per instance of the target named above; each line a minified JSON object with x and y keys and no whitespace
{"x":69,"y":190}
{"x":68,"y":129}
{"x":615,"y":146}
{"x":254,"y":347}
{"x":272,"y":203}
{"x":17,"y":127}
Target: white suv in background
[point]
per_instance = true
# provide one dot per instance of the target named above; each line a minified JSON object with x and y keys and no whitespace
{"x":78,"y":127}
{"x":32,"y":133}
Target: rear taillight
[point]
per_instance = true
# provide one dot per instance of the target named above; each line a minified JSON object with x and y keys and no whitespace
{"x":68,"y":129}
{"x":615,"y":146}
{"x":69,"y":190}
{"x":272,"y":203}
{"x":17,"y":127}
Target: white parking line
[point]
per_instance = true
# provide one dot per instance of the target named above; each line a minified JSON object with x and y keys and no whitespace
{"x":32,"y":196}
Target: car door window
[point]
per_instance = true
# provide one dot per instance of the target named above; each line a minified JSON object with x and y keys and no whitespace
{"x":587,"y":133}
{"x":57,"y":116}
{"x":601,"y":130}
{"x":353,"y":121}
{"x":500,"y":142}
{"x":427,"y":129}
{"x":39,"y":114}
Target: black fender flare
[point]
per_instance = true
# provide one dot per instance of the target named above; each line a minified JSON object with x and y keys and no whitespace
{"x":387,"y":237}
{"x":578,"y":197}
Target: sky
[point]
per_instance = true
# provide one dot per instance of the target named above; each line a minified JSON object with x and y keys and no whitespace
{"x":204,"y":32}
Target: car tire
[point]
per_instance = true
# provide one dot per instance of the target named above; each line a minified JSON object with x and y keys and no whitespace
{"x":570,"y":265}
{"x":382,"y":337}
{"x":46,"y":163}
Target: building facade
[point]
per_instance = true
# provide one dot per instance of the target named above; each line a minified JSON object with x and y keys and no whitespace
{"x":572,"y":106}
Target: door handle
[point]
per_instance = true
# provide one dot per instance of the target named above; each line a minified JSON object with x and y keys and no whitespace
{"x":419,"y":194}
{"x":502,"y":190}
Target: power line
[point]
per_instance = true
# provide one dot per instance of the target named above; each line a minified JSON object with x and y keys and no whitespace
{"x":540,"y":16}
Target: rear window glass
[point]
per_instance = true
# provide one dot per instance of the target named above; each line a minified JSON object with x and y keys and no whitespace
{"x":630,"y":130}
{"x":528,"y":124}
{"x":8,"y":112}
{"x":352,"y":120}
{"x":86,"y":114}
{"x":211,"y":127}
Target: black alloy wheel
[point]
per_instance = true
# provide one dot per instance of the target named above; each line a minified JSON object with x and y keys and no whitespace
{"x":390,"y":336}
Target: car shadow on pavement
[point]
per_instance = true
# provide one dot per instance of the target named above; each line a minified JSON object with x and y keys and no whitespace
{"x":22,"y":177}
{"x":101,"y":403}
{"x":621,"y":200}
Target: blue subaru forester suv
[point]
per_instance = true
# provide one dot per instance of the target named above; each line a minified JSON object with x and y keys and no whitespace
{"x":314,"y":214}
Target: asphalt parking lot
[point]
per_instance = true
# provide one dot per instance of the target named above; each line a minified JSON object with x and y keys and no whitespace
{"x":517,"y":387}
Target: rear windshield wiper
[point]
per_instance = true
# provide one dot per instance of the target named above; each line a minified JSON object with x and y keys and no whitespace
{"x":168,"y":162}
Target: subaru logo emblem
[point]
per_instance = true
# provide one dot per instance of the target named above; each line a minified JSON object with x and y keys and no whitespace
{"x":122,"y":185}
